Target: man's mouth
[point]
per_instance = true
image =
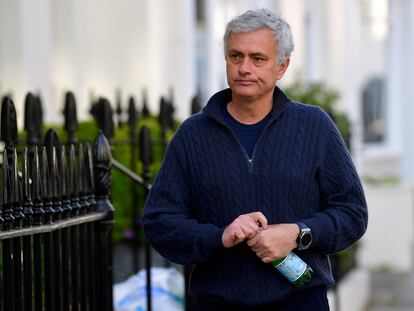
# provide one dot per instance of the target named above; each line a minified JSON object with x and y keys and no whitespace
{"x":244,"y":82}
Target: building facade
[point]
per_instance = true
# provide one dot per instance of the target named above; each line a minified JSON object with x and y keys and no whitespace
{"x":361,"y":48}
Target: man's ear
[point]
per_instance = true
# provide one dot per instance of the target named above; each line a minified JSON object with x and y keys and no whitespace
{"x":281,"y":69}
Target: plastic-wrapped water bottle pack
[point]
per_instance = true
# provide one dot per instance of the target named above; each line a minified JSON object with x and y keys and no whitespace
{"x":167,"y":291}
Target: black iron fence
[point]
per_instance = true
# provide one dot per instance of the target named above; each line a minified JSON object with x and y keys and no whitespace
{"x":56,"y":217}
{"x":56,"y":220}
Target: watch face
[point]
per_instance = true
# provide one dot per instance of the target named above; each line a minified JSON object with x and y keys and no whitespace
{"x":306,"y":239}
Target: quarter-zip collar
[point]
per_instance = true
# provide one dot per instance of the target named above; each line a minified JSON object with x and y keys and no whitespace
{"x":213,"y":110}
{"x":213,"y":107}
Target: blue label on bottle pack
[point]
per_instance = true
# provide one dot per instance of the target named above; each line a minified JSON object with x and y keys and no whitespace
{"x":292,"y":267}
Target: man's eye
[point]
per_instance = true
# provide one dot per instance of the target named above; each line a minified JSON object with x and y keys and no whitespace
{"x":235,"y":56}
{"x":258,"y":59}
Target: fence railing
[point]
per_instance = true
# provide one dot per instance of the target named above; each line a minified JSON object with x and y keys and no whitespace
{"x":56,"y":217}
{"x":56,"y":220}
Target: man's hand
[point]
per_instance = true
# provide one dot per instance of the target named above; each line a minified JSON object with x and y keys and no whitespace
{"x":243,"y":227}
{"x":275,"y":242}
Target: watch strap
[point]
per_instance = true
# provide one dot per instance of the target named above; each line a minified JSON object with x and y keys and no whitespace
{"x":302,"y":225}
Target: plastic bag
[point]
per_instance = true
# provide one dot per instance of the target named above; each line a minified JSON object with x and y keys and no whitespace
{"x":167,"y":291}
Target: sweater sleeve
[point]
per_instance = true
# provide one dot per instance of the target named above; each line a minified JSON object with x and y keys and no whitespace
{"x":344,"y":216}
{"x":168,"y":224}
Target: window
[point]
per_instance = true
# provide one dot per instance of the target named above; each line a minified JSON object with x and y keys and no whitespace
{"x":373,"y":111}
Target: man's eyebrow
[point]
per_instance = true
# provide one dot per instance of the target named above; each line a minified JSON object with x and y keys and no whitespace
{"x":258,"y":54}
{"x":254,"y":54}
{"x":235,"y":51}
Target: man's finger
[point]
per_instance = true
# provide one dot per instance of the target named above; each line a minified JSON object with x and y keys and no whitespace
{"x":251,"y":242}
{"x":259,"y":218}
{"x":239,"y":235}
{"x":256,"y":248}
{"x":267,"y":259}
{"x":251,"y":234}
{"x":250,"y":229}
{"x":262,"y":221}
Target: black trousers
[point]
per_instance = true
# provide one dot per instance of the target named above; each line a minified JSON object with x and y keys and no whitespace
{"x":311,"y":299}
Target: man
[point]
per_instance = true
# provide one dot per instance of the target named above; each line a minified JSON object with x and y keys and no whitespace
{"x":247,"y":179}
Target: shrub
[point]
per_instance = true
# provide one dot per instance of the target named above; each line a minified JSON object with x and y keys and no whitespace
{"x":319,"y":94}
{"x":122,"y":186}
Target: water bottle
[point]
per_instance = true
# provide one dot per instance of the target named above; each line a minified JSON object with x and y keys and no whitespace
{"x":294,"y":269}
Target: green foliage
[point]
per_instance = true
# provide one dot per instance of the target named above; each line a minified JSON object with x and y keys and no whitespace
{"x":319,"y":94}
{"x":316,"y":94}
{"x":382,"y":180}
{"x":122,"y":187}
{"x":347,"y":260}
{"x":87,"y":131}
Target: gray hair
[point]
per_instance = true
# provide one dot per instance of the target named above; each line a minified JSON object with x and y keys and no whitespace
{"x":263,"y":18}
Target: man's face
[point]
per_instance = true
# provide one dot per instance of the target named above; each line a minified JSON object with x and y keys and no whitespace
{"x":251,"y":64}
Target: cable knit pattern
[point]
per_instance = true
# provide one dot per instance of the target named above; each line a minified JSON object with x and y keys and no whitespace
{"x":300,"y":171}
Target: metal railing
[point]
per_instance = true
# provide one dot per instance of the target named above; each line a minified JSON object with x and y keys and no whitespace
{"x":56,"y":220}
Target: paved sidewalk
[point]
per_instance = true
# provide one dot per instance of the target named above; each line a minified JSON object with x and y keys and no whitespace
{"x":392,"y":292}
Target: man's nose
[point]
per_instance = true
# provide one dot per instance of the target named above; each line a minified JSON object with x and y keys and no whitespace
{"x":245,"y":66}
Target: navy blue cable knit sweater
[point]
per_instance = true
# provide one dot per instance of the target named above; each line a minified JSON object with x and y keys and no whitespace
{"x":300,"y":171}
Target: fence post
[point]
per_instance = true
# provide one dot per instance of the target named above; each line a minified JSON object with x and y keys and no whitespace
{"x":33,"y":206}
{"x":31,"y":120}
{"x":103,"y":114}
{"x":91,"y":260}
{"x":12,"y":214}
{"x":52,"y":146}
{"x":74,"y":232}
{"x":27,"y":240}
{"x":71,"y":120}
{"x":118,"y":110}
{"x":83,"y":200}
{"x":8,"y":279}
{"x":66,"y":207}
{"x":195,"y":104}
{"x":38,"y":219}
{"x":66,"y":238}
{"x":103,"y":182}
{"x":17,"y":205}
{"x":46,"y":188}
{"x":50,"y":286}
{"x":146,"y":158}
{"x":145,"y":110}
{"x":8,"y":126}
{"x":39,"y":116}
{"x":17,"y":241}
{"x":90,"y":181}
{"x":170,"y":114}
{"x":84,"y":242}
{"x":136,"y":225}
{"x":26,"y":193}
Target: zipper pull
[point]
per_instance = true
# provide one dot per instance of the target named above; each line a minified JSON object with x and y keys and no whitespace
{"x":250,"y":165}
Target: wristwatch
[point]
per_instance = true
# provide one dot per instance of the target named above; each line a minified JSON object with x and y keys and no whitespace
{"x":305,"y":237}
